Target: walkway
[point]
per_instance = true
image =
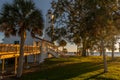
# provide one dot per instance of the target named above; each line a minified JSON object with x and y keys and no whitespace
{"x":12,"y":51}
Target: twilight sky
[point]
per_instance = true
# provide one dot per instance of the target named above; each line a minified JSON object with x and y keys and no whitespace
{"x":43,"y":5}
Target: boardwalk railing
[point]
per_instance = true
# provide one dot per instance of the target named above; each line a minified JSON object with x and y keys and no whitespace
{"x":12,"y":50}
{"x":54,"y":48}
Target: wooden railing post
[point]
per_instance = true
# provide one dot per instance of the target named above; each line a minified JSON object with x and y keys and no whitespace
{"x":16,"y":65}
{"x":26,"y":60}
{"x":3,"y":66}
{"x":35,"y":58}
{"x":27,"y":51}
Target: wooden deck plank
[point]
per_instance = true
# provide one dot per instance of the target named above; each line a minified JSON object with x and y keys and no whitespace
{"x":5,"y":56}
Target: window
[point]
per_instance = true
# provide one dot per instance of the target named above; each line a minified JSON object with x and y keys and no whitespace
{"x":16,"y":42}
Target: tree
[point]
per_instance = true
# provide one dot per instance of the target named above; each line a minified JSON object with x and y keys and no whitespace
{"x":62,"y":43}
{"x":56,"y":34}
{"x":17,"y":18}
{"x":88,"y":19}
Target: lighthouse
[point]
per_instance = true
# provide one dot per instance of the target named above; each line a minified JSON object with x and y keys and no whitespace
{"x":48,"y":24}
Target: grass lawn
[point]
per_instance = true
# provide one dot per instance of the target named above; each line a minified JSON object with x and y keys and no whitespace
{"x":75,"y":68}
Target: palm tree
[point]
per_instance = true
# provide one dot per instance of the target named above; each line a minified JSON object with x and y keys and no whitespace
{"x":17,"y":18}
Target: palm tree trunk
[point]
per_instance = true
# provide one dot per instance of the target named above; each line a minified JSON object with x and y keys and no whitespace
{"x":104,"y":57}
{"x":20,"y":63}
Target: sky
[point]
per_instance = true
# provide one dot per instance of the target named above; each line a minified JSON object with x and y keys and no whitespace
{"x":43,"y":5}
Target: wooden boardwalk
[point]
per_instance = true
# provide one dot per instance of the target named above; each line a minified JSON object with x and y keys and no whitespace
{"x":12,"y":51}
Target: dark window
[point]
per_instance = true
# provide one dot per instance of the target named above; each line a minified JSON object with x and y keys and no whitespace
{"x":16,"y":42}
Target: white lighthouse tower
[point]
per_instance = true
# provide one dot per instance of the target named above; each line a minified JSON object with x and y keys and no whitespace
{"x":48,"y":24}
{"x":44,"y":51}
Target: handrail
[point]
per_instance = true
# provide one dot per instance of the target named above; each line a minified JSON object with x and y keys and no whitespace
{"x":11,"y":49}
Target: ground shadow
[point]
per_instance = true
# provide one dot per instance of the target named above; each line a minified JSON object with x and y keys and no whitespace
{"x":63,"y":72}
{"x":94,"y":77}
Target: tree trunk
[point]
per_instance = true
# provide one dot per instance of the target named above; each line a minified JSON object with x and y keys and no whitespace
{"x":112,"y":50}
{"x":77,"y":51}
{"x":91,"y":52}
{"x":101,"y":50}
{"x":87,"y":52}
{"x":20,"y":63}
{"x":84,"y":52}
{"x":84,"y":48}
{"x":104,"y":57}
